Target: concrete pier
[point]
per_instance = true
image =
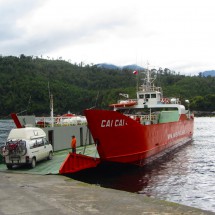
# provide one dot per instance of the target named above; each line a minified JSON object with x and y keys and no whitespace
{"x":32,"y":194}
{"x":42,"y":191}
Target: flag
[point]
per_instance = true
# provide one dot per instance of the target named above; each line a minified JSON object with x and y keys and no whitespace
{"x":135,"y":72}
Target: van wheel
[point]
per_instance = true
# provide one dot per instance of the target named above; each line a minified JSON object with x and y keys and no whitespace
{"x":9,"y":166}
{"x":33,"y":163}
{"x":50,"y":156}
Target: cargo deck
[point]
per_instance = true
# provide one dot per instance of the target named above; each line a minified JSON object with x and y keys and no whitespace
{"x":52,"y":166}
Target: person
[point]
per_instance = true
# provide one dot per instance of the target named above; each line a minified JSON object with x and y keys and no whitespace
{"x":73,"y":144}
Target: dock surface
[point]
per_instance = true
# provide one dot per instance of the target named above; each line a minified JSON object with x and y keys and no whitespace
{"x":33,"y":194}
{"x":41,"y":190}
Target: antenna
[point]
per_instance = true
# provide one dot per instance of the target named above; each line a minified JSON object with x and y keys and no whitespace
{"x":29,"y":101}
{"x":51,"y":106}
{"x":49,"y":90}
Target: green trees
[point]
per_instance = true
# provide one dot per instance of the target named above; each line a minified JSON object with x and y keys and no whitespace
{"x":24,"y":85}
{"x":198,"y":89}
{"x":26,"y":82}
{"x":206,"y":103}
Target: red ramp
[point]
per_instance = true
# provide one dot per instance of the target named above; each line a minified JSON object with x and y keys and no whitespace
{"x":76,"y":162}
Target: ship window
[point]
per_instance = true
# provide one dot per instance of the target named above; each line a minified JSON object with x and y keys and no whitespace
{"x":147,"y":96}
{"x":153,"y":95}
{"x":141,"y":96}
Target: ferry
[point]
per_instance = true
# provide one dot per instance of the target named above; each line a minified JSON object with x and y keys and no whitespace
{"x":137,"y":131}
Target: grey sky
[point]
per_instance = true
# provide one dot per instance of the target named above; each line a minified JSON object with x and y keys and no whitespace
{"x":175,"y":34}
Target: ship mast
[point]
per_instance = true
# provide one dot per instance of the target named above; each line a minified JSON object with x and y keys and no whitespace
{"x":147,"y":86}
{"x":51,"y":107}
{"x":148,"y":77}
{"x":52,"y":110}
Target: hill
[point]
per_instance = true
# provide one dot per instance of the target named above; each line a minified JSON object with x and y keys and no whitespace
{"x":209,"y":73}
{"x":26,"y":84}
{"x":107,"y":66}
{"x":112,"y":66}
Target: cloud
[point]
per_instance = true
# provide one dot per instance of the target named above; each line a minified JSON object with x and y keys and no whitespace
{"x":174,"y":34}
{"x":11,"y":12}
{"x":11,"y":33}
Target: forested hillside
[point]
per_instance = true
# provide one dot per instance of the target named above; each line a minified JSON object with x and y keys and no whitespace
{"x":26,"y":84}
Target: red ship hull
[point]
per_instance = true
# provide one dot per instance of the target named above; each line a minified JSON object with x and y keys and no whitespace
{"x":122,"y":139}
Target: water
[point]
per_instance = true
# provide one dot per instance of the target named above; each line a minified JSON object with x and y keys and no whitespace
{"x":5,"y":127}
{"x":186,"y":177}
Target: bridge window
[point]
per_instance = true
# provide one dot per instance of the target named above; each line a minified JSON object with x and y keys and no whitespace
{"x":147,"y":96}
{"x":153,"y":95}
{"x":141,"y":96}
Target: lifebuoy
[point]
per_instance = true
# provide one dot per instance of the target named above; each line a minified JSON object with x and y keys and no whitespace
{"x":165,"y":100}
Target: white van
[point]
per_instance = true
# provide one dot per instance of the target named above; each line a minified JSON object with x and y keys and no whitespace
{"x":26,"y":146}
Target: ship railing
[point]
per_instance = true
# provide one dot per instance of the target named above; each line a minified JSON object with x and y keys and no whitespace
{"x":189,"y":115}
{"x":145,"y":119}
{"x":150,"y":88}
{"x":60,"y":121}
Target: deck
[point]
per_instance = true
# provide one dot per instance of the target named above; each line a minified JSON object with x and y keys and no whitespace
{"x":52,"y":166}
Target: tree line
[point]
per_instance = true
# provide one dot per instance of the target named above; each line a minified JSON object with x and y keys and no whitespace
{"x":26,"y":84}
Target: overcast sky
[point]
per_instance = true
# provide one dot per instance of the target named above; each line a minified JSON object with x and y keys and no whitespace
{"x":174,"y":34}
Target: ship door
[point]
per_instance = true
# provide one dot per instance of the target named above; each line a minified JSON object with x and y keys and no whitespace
{"x":51,"y":137}
{"x":81,"y":137}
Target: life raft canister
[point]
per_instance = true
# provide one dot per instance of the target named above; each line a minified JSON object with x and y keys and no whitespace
{"x":165,"y":100}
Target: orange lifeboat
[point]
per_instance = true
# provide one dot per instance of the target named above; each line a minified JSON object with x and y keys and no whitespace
{"x":126,"y":103}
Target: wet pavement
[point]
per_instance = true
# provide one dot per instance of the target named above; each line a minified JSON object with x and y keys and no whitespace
{"x":56,"y":194}
{"x":41,"y":190}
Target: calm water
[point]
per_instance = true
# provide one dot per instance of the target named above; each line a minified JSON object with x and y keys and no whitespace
{"x":5,"y":127}
{"x":186,"y":177}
